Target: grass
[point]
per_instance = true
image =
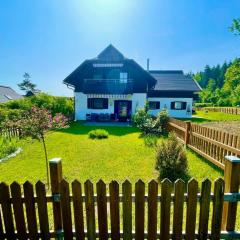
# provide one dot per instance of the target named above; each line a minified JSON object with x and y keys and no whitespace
{"x":123,"y":155}
{"x":202,"y":117}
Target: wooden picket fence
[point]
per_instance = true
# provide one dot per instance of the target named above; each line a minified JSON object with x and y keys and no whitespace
{"x":10,"y":132}
{"x":180,"y":211}
{"x":210,"y":143}
{"x":229,"y":110}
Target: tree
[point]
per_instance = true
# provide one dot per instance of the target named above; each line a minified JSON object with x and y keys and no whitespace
{"x":36,"y":122}
{"x":26,"y":85}
{"x":235,"y":27}
{"x":232,"y":76}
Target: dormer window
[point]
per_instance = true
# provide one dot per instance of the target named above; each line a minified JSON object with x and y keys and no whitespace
{"x":123,"y":77}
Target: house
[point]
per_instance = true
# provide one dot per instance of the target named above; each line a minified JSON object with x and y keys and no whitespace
{"x":7,"y":94}
{"x":112,"y":86}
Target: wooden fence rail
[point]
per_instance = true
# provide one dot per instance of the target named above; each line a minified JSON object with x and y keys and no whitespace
{"x":229,"y":110}
{"x":116,"y":211}
{"x":212,"y":144}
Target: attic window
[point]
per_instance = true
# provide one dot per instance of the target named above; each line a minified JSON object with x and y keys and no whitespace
{"x":123,"y":77}
{"x":8,"y":97}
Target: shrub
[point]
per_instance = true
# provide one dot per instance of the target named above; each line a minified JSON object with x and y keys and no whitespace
{"x":201,"y":105}
{"x":7,"y":146}
{"x":148,"y":124}
{"x":53,"y":104}
{"x":171,"y":159}
{"x":162,"y":120}
{"x":98,"y":133}
{"x":150,"y":140}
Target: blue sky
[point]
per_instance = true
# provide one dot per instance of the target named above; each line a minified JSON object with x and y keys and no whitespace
{"x":50,"y":38}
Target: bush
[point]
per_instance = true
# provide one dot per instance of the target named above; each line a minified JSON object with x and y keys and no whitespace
{"x":9,"y":114}
{"x":148,"y":124}
{"x":98,"y":133}
{"x":7,"y":147}
{"x":150,"y":140}
{"x":162,"y":120}
{"x":53,"y":104}
{"x":171,"y":159}
{"x":202,"y":105}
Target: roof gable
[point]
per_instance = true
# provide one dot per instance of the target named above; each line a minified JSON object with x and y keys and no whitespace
{"x":110,"y":54}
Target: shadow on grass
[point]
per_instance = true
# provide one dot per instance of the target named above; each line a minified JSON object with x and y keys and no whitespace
{"x":77,"y":128}
{"x":205,"y":161}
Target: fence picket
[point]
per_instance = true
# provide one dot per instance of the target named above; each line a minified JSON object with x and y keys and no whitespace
{"x":78,"y":209}
{"x":204,"y":209}
{"x":217,"y":209}
{"x":90,"y":210}
{"x":18,"y":210}
{"x":42,"y":210}
{"x":192,"y":190}
{"x":152,"y":210}
{"x":178,"y":209}
{"x":127,"y":210}
{"x":30,"y":210}
{"x":166,"y":189}
{"x":114,"y":210}
{"x":7,"y":211}
{"x":139,"y":209}
{"x":1,"y":225}
{"x":102,"y":210}
{"x":66,"y":209}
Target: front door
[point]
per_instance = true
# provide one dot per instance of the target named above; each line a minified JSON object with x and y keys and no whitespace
{"x":122,"y":109}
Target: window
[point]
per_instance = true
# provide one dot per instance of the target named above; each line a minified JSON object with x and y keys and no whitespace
{"x":123,"y":77}
{"x":178,"y":105}
{"x":154,"y":105}
{"x":97,"y":103}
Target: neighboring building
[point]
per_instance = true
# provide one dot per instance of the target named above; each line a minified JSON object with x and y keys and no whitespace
{"x":114,"y":87}
{"x":7,"y":94}
{"x":31,"y":93}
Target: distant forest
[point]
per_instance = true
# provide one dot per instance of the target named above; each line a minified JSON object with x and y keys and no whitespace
{"x":220,"y":83}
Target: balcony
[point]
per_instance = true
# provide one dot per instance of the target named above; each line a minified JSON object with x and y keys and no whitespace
{"x":108,"y":86}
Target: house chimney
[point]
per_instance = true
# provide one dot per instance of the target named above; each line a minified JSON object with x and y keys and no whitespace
{"x":148,"y":64}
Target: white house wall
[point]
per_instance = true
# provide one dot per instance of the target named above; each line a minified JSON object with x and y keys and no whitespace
{"x":138,"y":101}
{"x":166,"y":102}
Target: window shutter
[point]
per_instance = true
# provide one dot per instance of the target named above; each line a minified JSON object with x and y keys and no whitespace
{"x":157,"y":105}
{"x":89,"y":105}
{"x":105,"y":103}
{"x":184,"y":105}
{"x":172,"y":105}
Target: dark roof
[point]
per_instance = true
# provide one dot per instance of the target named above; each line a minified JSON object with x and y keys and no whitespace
{"x":173,"y":80}
{"x":110,"y":54}
{"x":7,"y":94}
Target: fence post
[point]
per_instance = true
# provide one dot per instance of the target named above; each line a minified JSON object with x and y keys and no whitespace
{"x":187,"y":132}
{"x":55,"y":165}
{"x":232,"y":182}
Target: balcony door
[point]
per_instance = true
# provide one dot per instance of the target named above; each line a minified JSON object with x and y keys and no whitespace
{"x":123,"y":109}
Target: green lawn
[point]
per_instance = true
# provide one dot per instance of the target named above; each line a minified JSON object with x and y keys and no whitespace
{"x":202,"y":117}
{"x":123,"y":155}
